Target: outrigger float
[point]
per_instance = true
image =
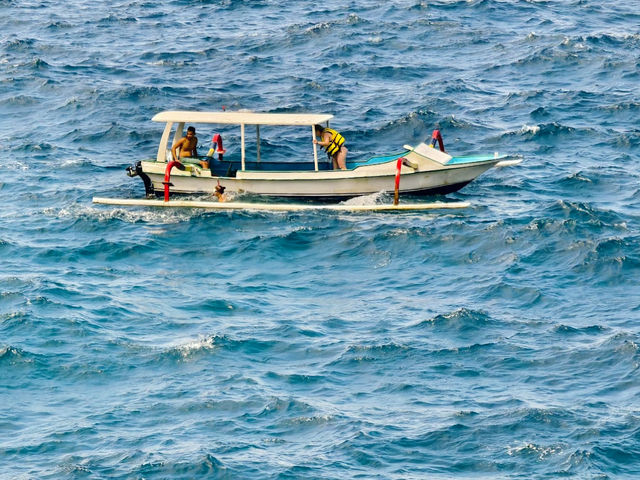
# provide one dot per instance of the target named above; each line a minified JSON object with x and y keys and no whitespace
{"x":420,"y":170}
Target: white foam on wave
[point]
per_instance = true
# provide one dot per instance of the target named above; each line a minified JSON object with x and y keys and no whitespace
{"x":131,"y":215}
{"x":371,"y":199}
{"x":533,"y":129}
{"x":166,"y":63}
{"x":70,"y":162}
{"x":14,"y":164}
{"x":540,"y":451}
{"x":317,"y":27}
{"x":193,"y":346}
{"x":155,"y":231}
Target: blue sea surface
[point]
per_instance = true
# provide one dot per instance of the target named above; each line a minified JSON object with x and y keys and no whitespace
{"x":498,"y":342}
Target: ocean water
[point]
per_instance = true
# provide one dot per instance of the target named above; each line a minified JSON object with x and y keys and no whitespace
{"x":498,"y":341}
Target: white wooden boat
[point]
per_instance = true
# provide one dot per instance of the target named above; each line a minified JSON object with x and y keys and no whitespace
{"x":422,"y":169}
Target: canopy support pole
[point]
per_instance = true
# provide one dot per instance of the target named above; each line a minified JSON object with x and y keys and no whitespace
{"x":242,"y":144}
{"x":315,"y":148}
{"x":164,"y":142}
{"x":179,"y":130}
{"x":258,"y":143}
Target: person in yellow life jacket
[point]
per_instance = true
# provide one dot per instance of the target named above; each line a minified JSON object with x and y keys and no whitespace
{"x":333,"y":143}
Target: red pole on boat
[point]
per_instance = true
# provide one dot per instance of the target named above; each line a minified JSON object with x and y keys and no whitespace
{"x":396,"y":194}
{"x":435,"y":136}
{"x":167,"y":177}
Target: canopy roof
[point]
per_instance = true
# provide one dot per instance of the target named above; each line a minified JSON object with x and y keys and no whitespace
{"x":246,"y":118}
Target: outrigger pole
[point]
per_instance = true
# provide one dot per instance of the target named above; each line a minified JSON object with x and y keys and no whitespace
{"x":279,"y":207}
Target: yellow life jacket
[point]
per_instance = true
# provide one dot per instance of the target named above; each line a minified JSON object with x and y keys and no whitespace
{"x":337,"y":141}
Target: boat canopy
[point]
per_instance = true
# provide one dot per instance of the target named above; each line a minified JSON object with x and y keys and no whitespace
{"x":236,"y":118}
{"x":246,"y":118}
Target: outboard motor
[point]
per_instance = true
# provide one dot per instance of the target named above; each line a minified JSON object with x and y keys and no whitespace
{"x":132,"y":171}
{"x":135,"y":171}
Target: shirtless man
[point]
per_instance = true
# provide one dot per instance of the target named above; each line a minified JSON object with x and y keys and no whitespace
{"x":187,"y":145}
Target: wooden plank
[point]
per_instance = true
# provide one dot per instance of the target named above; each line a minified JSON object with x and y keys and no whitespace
{"x":280,"y":207}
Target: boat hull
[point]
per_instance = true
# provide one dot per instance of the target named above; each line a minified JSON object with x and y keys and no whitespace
{"x":323,"y":184}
